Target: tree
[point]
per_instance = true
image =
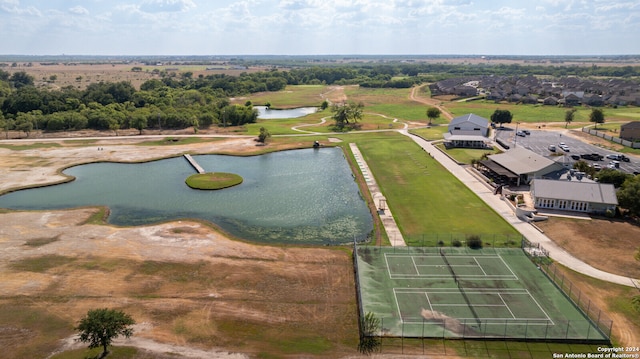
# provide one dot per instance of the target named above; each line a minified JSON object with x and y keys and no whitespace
{"x":369,"y":327}
{"x":23,"y":123}
{"x":101,"y":326}
{"x":347,"y":114}
{"x":615,"y":177}
{"x":21,"y":79}
{"x":568,"y":116}
{"x":629,"y":196}
{"x":433,"y":113}
{"x":501,"y":117}
{"x":264,"y":134}
{"x":583,"y":166}
{"x":596,"y":116}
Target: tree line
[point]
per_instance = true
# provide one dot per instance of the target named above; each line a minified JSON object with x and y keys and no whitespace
{"x":174,"y":101}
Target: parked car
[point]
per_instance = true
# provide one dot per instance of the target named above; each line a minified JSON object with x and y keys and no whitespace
{"x":575,"y":157}
{"x":521,"y":134}
{"x":614,"y":164}
{"x":526,"y":132}
{"x":592,"y":156}
{"x":618,"y":157}
{"x":552,"y":148}
{"x":596,"y":166}
{"x":564,"y":147}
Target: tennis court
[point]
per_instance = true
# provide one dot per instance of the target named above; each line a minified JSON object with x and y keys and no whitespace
{"x":463,"y":293}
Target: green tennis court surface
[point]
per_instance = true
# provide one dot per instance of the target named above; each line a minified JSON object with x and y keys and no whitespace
{"x":465,"y":293}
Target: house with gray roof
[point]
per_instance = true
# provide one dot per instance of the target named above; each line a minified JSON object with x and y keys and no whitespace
{"x":576,"y":196}
{"x":520,"y":165}
{"x":468,"y":131}
{"x":630,"y":131}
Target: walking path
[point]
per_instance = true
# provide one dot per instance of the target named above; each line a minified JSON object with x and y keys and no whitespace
{"x":388,"y":222}
{"x":527,"y":230}
{"x":194,"y":163}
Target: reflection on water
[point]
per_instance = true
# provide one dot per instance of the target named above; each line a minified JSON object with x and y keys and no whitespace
{"x":301,"y":196}
{"x":270,"y":114}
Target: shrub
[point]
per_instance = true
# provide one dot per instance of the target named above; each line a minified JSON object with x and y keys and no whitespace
{"x":635,"y":302}
{"x":474,"y":242}
{"x":457,"y":243}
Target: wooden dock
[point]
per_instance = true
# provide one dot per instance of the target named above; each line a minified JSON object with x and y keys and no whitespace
{"x":194,"y":163}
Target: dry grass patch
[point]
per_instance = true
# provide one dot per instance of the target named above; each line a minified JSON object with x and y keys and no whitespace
{"x":191,"y":285}
{"x":604,"y":244}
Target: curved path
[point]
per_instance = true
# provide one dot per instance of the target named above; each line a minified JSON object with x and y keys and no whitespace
{"x":555,"y":252}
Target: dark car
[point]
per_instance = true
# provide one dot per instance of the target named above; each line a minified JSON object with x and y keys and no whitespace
{"x":575,"y":157}
{"x":592,"y":156}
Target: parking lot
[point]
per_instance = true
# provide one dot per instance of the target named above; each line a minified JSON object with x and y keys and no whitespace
{"x":538,"y":141}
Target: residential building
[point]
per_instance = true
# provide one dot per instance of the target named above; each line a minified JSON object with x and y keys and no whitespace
{"x":630,"y":131}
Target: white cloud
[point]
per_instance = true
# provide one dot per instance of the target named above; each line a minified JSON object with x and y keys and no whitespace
{"x":79,"y":10}
{"x":153,"y":6}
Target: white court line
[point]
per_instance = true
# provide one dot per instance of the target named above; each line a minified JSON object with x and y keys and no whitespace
{"x":539,"y":307}
{"x":414,"y":265}
{"x":506,"y":265}
{"x":478,"y":263}
{"x":429,"y":301}
{"x":505,"y":304}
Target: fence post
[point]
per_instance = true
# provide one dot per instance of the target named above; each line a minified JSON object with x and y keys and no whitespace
{"x":546,"y":330}
{"x":402,"y":339}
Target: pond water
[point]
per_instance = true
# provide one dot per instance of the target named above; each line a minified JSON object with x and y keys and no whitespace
{"x":270,"y":114}
{"x":303,"y":196}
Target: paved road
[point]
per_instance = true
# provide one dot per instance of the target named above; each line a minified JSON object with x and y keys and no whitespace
{"x":556,"y":253}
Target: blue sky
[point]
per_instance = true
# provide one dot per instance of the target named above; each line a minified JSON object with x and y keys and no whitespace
{"x":319,"y":27}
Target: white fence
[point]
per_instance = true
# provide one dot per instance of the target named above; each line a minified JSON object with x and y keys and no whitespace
{"x":611,"y":138}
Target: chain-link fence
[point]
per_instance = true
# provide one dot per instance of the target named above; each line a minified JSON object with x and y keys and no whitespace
{"x":394,"y":332}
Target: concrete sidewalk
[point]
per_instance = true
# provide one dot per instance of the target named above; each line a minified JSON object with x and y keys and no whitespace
{"x":388,"y":222}
{"x":527,"y":230}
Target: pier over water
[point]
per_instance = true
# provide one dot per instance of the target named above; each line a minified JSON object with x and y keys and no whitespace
{"x":193,"y":163}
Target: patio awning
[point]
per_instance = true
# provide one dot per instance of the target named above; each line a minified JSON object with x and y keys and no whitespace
{"x":497,"y":169}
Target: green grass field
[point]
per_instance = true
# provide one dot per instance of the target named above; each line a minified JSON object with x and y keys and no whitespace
{"x":290,"y":97}
{"x":423,"y":195}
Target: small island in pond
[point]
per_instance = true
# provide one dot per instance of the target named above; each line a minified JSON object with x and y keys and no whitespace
{"x":213,"y":180}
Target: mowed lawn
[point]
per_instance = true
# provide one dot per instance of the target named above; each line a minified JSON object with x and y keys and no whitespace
{"x":424,"y":197}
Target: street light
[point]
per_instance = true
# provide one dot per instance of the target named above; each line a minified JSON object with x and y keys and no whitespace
{"x":515,"y":138}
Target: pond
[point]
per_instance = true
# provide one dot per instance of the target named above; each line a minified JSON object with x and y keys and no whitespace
{"x":304,"y":196}
{"x":270,"y":114}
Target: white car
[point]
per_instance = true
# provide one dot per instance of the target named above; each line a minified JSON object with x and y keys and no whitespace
{"x":564,"y":147}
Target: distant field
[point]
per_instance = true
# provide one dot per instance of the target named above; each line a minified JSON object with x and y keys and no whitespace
{"x":290,"y":97}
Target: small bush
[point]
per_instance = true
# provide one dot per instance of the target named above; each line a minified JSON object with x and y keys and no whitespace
{"x":456,"y":243}
{"x":474,"y":242}
{"x":635,"y":302}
